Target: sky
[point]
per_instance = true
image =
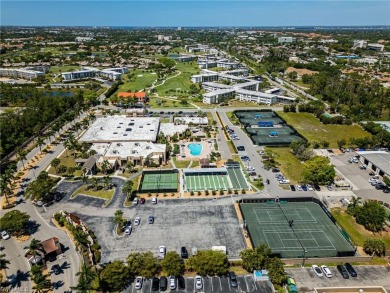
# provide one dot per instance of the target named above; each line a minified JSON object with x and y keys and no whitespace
{"x":195,"y":13}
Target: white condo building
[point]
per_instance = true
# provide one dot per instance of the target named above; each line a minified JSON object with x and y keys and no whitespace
{"x":89,"y":72}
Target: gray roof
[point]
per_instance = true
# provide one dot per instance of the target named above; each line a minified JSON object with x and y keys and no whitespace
{"x":380,"y":159}
{"x":90,"y":163}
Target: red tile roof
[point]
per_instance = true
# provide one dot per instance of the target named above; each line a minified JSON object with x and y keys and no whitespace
{"x":139,"y":95}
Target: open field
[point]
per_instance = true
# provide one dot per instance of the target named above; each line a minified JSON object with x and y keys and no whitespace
{"x":313,"y":130}
{"x":289,"y":165}
{"x":357,"y":232}
{"x":139,"y":82}
{"x":68,"y":161}
{"x":167,"y":103}
{"x":58,"y":69}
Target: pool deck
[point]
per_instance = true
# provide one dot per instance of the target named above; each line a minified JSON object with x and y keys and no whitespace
{"x":206,"y":150}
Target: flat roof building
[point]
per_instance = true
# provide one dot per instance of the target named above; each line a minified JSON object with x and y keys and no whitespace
{"x":192,"y":120}
{"x":378,"y":161}
{"x":121,"y":129}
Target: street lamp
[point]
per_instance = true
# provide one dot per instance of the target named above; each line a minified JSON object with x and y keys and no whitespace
{"x":304,"y":257}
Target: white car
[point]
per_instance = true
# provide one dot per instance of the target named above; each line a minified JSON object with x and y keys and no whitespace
{"x":5,"y":235}
{"x":172,"y":282}
{"x":137,"y":221}
{"x":309,"y":187}
{"x":138,"y":283}
{"x":135,"y":200}
{"x":161,"y":251}
{"x":198,"y":282}
{"x":371,"y":180}
{"x":317,"y":271}
{"x":128,"y":230}
{"x":326,"y":271}
{"x":298,"y":187}
{"x":284,"y":181}
{"x":154,"y":200}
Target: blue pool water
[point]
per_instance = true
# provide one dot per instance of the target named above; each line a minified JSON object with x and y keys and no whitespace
{"x":195,"y":149}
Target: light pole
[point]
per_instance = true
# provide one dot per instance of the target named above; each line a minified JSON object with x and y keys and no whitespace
{"x":304,"y":257}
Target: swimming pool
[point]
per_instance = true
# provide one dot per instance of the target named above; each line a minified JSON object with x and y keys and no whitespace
{"x":195,"y":149}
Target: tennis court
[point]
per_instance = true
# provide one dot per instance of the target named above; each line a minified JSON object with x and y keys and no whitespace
{"x":236,"y":177}
{"x":159,"y":181}
{"x":279,"y":134}
{"x":294,"y":229}
{"x":196,"y":182}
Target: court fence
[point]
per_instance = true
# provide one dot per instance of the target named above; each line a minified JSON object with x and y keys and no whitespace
{"x":157,"y":172}
{"x":302,"y":199}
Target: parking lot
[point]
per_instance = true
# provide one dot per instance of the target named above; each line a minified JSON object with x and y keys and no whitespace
{"x":212,"y":284}
{"x":358,"y":178}
{"x":306,"y":279}
{"x":185,"y":222}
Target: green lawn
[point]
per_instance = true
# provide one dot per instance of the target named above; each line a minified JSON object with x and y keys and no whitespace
{"x":62,"y":69}
{"x":289,"y":165}
{"x":68,"y":161}
{"x":184,"y":164}
{"x":167,"y":103}
{"x":102,"y":193}
{"x":356,"y":232}
{"x":139,"y":82}
{"x":313,"y":130}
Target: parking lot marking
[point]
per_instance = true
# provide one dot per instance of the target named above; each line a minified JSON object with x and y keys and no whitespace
{"x":229,"y":284}
{"x":212,"y":288}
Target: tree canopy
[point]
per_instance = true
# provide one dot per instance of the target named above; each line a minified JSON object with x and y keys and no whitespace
{"x":143,"y":264}
{"x":114,"y":277}
{"x":172,"y":264}
{"x":14,"y":221}
{"x":372,"y":215}
{"x":209,"y":262}
{"x":318,"y":170}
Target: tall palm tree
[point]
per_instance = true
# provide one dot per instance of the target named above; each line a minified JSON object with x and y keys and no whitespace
{"x":127,"y":187}
{"x":106,"y":181}
{"x":40,"y":143}
{"x":86,"y":276}
{"x":84,"y":178}
{"x":34,"y":247}
{"x":130,"y":166}
{"x":105,"y":166}
{"x":22,"y":156}
{"x":95,"y":183}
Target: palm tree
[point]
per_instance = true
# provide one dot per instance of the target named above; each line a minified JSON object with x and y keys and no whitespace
{"x":127,"y":187}
{"x":86,"y":276}
{"x":85,"y":179}
{"x":130,"y":166}
{"x":105,"y":166}
{"x":106,"y":181}
{"x":55,"y":163}
{"x":22,"y":156}
{"x":147,"y":161}
{"x":40,"y":143}
{"x":95,"y":183}
{"x":34,"y":246}
{"x":4,"y":264}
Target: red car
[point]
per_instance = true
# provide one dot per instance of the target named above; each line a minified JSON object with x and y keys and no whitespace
{"x":142,"y":200}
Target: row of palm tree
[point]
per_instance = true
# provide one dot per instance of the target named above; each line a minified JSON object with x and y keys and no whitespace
{"x":7,"y":182}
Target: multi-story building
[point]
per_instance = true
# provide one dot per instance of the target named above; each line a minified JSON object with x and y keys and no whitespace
{"x":286,"y":40}
{"x":89,"y":72}
{"x":25,"y":73}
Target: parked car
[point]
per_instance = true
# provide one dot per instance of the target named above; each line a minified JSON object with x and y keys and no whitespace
{"x":309,"y":187}
{"x":343,"y":271}
{"x":298,"y":187}
{"x":304,"y":188}
{"x":128,"y":230}
{"x":163,"y":283}
{"x":350,"y":270}
{"x":292,"y":187}
{"x":316,"y":269}
{"x":135,"y":200}
{"x":154,"y":200}
{"x":184,"y":252}
{"x":326,"y":271}
{"x":172,"y":282}
{"x":372,"y":180}
{"x":275,"y":170}
{"x":161,"y":251}
{"x":142,"y":200}
{"x":4,"y":235}
{"x":233,"y":279}
{"x":138,"y":283}
{"x":194,"y":251}
{"x":155,"y":284}
{"x":284,"y":181}
{"x":151,"y":220}
{"x":329,"y":187}
{"x":241,"y":148}
{"x":317,"y":187}
{"x":137,"y":221}
{"x":181,"y":283}
{"x":198,"y":282}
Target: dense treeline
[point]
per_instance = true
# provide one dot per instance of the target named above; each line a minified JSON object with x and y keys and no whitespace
{"x":39,"y":109}
{"x":357,"y":97}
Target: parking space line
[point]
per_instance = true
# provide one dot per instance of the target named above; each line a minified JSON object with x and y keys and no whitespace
{"x":220,"y":284}
{"x":229,"y":284}
{"x":246,"y":284}
{"x":211,"y":280}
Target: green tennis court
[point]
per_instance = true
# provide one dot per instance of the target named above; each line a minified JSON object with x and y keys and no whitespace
{"x":204,"y":181}
{"x":153,"y":182}
{"x":312,"y":233}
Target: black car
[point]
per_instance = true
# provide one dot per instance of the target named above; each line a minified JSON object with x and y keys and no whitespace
{"x":292,"y":187}
{"x":181,"y":283}
{"x":163,"y":283}
{"x":386,"y":190}
{"x":56,"y":269}
{"x":343,"y":271}
{"x":233,"y":279}
{"x":350,"y":270}
{"x":151,"y":220}
{"x":155,"y":284}
{"x":304,"y":187}
{"x":184,"y":252}
{"x":380,"y":186}
{"x":275,"y":170}
{"x":241,"y":148}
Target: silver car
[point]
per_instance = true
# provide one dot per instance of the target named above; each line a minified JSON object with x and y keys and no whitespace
{"x":138,"y":283}
{"x":198,"y":282}
{"x":161,"y":251}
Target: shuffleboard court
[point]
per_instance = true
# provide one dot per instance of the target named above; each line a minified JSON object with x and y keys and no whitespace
{"x":294,"y":229}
